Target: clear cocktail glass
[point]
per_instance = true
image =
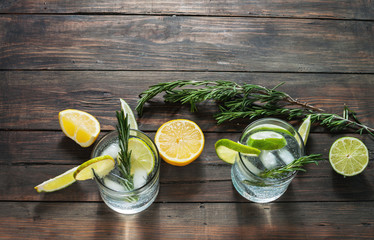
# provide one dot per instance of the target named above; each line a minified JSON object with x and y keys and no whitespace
{"x":246,"y":171}
{"x":111,"y":187}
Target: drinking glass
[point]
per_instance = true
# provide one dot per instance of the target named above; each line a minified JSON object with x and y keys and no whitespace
{"x":245,"y":173}
{"x":112,"y":192}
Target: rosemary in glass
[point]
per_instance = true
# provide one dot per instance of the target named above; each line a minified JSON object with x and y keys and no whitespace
{"x":124,"y":155}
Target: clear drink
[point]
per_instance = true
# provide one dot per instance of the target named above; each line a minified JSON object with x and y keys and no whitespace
{"x":112,"y":188}
{"x":246,"y":170}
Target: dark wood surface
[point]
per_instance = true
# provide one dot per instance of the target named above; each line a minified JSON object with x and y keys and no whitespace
{"x":81,"y":54}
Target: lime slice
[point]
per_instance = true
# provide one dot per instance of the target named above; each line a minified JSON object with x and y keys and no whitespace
{"x":102,"y":166}
{"x":348,"y":156}
{"x":61,"y":181}
{"x":127,"y":111}
{"x":267,"y":140}
{"x":304,"y":129}
{"x":227,"y":150}
{"x":271,"y":127}
{"x":142,"y":156}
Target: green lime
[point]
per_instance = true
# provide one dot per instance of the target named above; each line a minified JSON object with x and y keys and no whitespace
{"x":227,"y":150}
{"x":271,"y":127}
{"x":141,"y":155}
{"x":61,"y":181}
{"x":102,"y":166}
{"x":348,"y":156}
{"x":267,"y":140}
{"x":304,"y":129}
{"x":127,"y":111}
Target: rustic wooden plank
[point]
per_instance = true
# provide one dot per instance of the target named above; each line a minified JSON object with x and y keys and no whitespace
{"x":185,"y":43}
{"x":343,"y":9}
{"x":32,"y":99}
{"x":188,"y":221}
{"x":49,"y":147}
{"x":27,"y":163}
{"x":202,"y":183}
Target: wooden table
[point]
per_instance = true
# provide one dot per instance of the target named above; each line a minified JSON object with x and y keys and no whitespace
{"x":83,"y":54}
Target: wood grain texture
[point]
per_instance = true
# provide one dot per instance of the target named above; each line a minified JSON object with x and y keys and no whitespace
{"x":345,"y":9}
{"x":32,"y":99}
{"x":188,"y":221}
{"x":30,"y":158}
{"x":81,"y":42}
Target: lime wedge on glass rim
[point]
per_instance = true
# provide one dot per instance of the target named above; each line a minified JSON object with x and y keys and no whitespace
{"x":304,"y":129}
{"x":127,"y":111}
{"x":102,"y":165}
{"x":57,"y":183}
{"x":348,"y":156}
{"x":227,"y":150}
{"x":266,"y":140}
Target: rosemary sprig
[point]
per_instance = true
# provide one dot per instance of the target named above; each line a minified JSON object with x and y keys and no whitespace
{"x":296,"y":165}
{"x":124,"y":164}
{"x":248,"y":101}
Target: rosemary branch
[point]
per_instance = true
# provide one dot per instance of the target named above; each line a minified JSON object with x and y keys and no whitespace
{"x":296,"y":165}
{"x":124,"y":164}
{"x":248,"y":100}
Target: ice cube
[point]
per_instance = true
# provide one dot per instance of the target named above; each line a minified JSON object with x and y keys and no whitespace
{"x":114,"y":185}
{"x":268,"y":159}
{"x":112,"y":150}
{"x":140,"y":177}
{"x":286,"y":156}
{"x":252,"y":168}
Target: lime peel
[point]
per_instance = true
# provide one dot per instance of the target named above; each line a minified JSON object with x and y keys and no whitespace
{"x":227,"y":150}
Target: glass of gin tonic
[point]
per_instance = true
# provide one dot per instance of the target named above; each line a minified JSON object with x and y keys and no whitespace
{"x":280,"y":144}
{"x":117,"y":192}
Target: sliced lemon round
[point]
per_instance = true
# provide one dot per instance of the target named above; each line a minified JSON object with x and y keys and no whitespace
{"x":304,"y":129}
{"x":101,"y":165}
{"x":57,"y":183}
{"x":227,"y":150}
{"x":142,"y":156}
{"x":179,"y":141}
{"x":80,"y":126}
{"x":348,"y":156}
{"x":266,"y":140}
{"x":129,"y":113}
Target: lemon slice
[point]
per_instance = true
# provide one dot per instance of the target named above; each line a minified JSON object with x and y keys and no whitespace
{"x":80,"y":126}
{"x":102,"y":166}
{"x":142,"y":156}
{"x":179,"y":141}
{"x":348,"y":156}
{"x":304,"y":129}
{"x":267,"y":140}
{"x":130,"y":115}
{"x":61,"y":181}
{"x":227,"y":150}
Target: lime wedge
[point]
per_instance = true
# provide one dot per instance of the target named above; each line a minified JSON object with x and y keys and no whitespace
{"x":127,"y":111}
{"x":348,"y":156}
{"x":271,"y":127}
{"x":61,"y":181}
{"x":102,"y":166}
{"x":227,"y":150}
{"x":304,"y":129}
{"x":267,"y":140}
{"x":142,"y":156}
